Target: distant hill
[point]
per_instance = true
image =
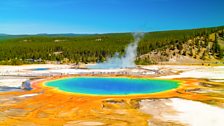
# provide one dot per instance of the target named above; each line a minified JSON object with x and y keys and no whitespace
{"x":2,"y":34}
{"x":8,"y":36}
{"x":63,"y":35}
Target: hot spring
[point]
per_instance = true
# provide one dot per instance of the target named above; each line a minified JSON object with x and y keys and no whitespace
{"x":112,"y":86}
{"x":39,"y":69}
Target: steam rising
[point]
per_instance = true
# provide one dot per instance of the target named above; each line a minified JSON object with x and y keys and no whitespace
{"x":126,"y":61}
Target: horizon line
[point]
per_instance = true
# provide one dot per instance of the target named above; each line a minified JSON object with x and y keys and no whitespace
{"x":84,"y":33}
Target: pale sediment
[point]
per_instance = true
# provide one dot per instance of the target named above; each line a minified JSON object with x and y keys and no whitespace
{"x":185,"y":112}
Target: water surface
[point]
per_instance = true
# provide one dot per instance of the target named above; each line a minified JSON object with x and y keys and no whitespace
{"x":112,"y":86}
{"x":39,"y":69}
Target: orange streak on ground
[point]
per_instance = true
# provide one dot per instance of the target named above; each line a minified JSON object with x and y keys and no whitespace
{"x":52,"y":107}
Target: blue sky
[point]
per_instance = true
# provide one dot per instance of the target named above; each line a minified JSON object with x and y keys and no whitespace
{"x":105,"y":16}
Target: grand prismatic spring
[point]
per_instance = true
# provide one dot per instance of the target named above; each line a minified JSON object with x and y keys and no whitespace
{"x":112,"y":86}
{"x":113,"y":99}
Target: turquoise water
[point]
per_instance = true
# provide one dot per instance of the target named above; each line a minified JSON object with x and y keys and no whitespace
{"x":39,"y":69}
{"x":112,"y":86}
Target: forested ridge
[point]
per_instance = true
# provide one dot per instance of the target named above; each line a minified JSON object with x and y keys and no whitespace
{"x":205,"y":44}
{"x":93,"y":48}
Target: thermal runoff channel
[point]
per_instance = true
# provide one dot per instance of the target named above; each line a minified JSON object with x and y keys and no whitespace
{"x":112,"y":86}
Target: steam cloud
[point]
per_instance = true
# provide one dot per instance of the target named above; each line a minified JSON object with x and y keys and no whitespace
{"x":126,"y":61}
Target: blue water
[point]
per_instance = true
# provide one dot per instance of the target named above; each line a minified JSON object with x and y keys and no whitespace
{"x":39,"y":69}
{"x":112,"y":86}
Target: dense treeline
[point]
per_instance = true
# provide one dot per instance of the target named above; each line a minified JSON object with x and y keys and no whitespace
{"x":75,"y":49}
{"x":86,"y":49}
